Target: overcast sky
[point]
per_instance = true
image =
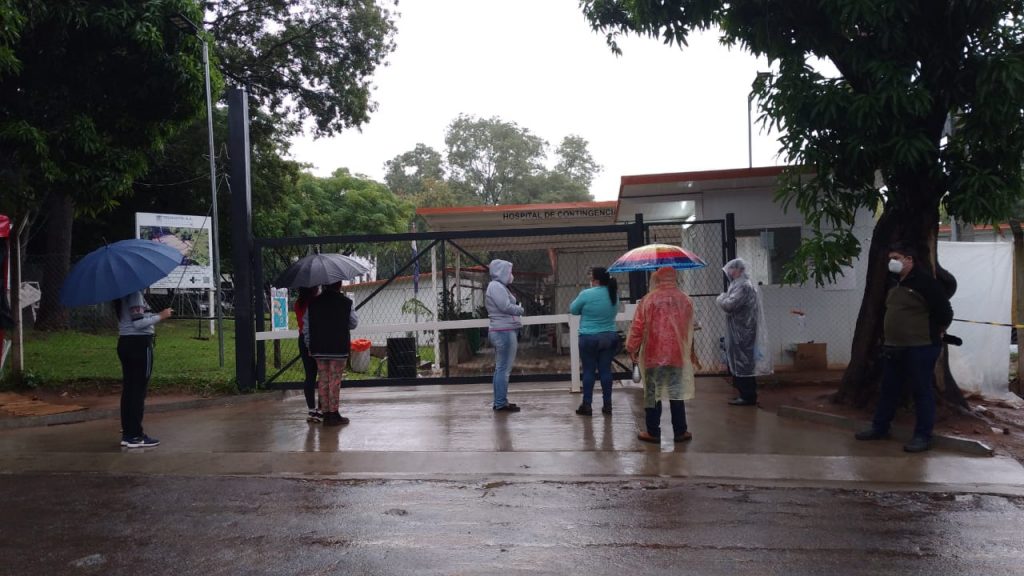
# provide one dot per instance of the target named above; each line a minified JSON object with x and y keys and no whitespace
{"x":537,"y":63}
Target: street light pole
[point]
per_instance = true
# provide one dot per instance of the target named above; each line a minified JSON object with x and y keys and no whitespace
{"x":190,"y":27}
{"x":213,"y":207}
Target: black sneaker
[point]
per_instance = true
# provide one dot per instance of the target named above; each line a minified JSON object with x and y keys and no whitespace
{"x":140,"y":442}
{"x":871,"y":434}
{"x":508,"y":408}
{"x":315,"y":416}
{"x":918,"y":444}
{"x":606,"y":409}
{"x":334,"y":419}
{"x":585,"y":410}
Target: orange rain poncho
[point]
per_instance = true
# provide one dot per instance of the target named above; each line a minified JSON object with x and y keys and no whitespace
{"x":662,"y":332}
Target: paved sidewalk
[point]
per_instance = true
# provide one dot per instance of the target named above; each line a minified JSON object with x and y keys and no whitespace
{"x":450,"y":432}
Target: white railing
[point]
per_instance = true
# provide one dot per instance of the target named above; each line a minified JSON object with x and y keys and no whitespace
{"x":432,"y":325}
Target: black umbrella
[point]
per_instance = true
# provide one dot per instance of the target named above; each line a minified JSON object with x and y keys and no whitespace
{"x":317,"y":269}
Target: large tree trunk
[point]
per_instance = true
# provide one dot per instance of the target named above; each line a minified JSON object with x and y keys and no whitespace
{"x":864,"y":371}
{"x":60,"y":217}
{"x":916,"y":225}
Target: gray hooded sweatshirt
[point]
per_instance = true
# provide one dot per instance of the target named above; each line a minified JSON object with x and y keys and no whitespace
{"x":502,"y":309}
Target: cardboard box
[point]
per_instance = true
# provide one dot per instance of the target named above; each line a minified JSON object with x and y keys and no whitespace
{"x":811,"y":356}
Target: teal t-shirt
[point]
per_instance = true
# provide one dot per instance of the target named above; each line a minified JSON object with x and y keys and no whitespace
{"x":595,"y":309}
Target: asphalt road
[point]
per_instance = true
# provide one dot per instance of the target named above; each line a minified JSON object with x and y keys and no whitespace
{"x":152,"y":525}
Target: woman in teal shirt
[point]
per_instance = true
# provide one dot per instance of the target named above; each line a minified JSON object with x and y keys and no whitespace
{"x":596,"y":306}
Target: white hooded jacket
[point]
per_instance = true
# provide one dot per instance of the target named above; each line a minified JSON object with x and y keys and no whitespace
{"x":503,"y":311}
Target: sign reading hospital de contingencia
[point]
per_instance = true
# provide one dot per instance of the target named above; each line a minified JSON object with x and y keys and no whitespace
{"x":557,"y":214}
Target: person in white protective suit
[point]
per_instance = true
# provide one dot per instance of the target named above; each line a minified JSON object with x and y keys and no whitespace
{"x":746,"y":337}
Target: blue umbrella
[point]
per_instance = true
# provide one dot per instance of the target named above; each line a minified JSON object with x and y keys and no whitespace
{"x":117,"y":270}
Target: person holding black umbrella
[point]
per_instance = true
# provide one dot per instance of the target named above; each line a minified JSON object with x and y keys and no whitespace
{"x":306,"y":295}
{"x":329,"y":320}
{"x":135,"y":330}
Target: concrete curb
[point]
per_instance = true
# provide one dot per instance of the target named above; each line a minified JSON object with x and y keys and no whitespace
{"x":901,"y":433}
{"x":102,"y":413}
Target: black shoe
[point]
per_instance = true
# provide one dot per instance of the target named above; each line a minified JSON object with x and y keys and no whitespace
{"x":606,"y":409}
{"x":918,"y":444}
{"x":508,"y":408}
{"x":334,"y":419}
{"x":742,"y":402}
{"x":871,"y":434}
{"x":585,"y":410}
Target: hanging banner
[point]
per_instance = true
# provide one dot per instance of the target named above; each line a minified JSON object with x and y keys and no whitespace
{"x":189,"y":235}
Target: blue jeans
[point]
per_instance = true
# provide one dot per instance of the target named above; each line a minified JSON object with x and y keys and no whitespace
{"x":596,"y":353}
{"x":505,"y":345}
{"x":913,"y":366}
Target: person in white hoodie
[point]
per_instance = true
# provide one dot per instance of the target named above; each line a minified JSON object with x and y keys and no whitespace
{"x":505,"y":315}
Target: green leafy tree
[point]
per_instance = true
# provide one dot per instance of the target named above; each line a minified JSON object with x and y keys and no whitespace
{"x":341,"y":204}
{"x":89,"y":88}
{"x":410,"y":173}
{"x":492,"y":158}
{"x":305,"y":59}
{"x":549,"y":188}
{"x":575,"y":161}
{"x":501,"y":162}
{"x":904,"y":70}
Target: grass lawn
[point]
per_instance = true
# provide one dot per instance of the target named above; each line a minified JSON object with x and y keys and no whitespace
{"x":186,"y":358}
{"x":182,"y":359}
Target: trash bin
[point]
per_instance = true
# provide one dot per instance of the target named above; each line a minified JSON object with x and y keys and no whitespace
{"x":359,"y":357}
{"x":401,"y":357}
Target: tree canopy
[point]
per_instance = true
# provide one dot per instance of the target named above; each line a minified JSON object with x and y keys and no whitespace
{"x":907,"y":71}
{"x":493,"y":161}
{"x":88,"y":90}
{"x":305,"y":59}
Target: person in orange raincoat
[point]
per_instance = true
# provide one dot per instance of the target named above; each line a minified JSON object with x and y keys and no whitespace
{"x":661,"y":340}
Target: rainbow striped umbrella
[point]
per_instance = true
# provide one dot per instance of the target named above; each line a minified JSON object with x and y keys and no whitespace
{"x":654,"y":256}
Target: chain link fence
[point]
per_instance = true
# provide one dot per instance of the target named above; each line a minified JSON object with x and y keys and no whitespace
{"x":446,"y":277}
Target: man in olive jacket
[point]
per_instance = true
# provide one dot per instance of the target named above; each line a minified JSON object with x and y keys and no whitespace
{"x":917,"y":313}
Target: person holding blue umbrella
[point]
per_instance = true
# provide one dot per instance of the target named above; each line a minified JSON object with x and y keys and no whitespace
{"x":117,"y":273}
{"x":135,"y":329}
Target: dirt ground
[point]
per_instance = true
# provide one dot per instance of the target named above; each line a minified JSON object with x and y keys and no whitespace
{"x":996,"y":424}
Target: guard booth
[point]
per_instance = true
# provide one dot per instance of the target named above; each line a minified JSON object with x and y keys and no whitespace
{"x":422,"y":306}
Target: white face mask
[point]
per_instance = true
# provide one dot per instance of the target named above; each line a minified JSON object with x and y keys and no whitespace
{"x":895,"y":266}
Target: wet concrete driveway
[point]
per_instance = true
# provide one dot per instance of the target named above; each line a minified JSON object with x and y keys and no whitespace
{"x":441,"y":432}
{"x":431,"y":481}
{"x":266,"y":526}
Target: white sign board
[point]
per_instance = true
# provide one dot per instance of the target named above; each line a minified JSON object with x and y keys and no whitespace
{"x":189,"y":235}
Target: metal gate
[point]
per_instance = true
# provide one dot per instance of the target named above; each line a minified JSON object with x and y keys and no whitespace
{"x":424,"y":312}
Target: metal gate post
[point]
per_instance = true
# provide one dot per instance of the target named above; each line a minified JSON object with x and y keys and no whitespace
{"x":635,"y":239}
{"x":729,"y":242}
{"x":241,"y":236}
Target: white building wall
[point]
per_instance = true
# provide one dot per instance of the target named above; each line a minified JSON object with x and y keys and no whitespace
{"x":830,"y":312}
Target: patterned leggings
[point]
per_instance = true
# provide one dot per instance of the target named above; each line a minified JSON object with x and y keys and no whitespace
{"x":330,"y":373}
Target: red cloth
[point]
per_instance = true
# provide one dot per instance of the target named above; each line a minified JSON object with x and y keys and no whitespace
{"x":300,"y":311}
